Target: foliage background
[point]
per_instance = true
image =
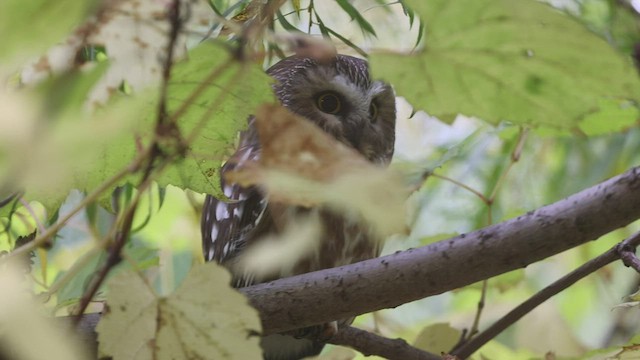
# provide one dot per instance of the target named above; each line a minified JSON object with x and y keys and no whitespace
{"x":552,"y":164}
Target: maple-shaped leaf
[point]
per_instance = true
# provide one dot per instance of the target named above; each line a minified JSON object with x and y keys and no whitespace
{"x":203,"y":319}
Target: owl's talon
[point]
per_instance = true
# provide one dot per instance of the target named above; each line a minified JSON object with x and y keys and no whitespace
{"x":328,"y":331}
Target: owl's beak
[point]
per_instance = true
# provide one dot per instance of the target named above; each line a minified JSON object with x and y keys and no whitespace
{"x":354,"y":137}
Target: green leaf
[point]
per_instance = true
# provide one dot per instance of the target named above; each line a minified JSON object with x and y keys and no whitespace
{"x":624,"y":28}
{"x":216,"y":113}
{"x":203,"y":319}
{"x":71,"y":292}
{"x":596,"y":13}
{"x":322,"y":27}
{"x":222,"y":109}
{"x":346,"y":41}
{"x":76,"y":151}
{"x":285,"y":23}
{"x":355,"y":15}
{"x":613,"y":116}
{"x":29,"y":27}
{"x":408,"y":12}
{"x":515,"y":60}
{"x":296,"y":6}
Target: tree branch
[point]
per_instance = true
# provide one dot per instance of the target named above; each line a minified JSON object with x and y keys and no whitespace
{"x":628,"y":255}
{"x":389,"y":281}
{"x":369,"y":343}
{"x":396,"y":279}
{"x":615,"y":253}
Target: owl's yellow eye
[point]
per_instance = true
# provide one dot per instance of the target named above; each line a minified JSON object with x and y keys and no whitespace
{"x":373,"y":111}
{"x":329,"y":103}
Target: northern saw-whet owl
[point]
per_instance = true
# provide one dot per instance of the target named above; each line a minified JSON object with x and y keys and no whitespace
{"x":340,"y":98}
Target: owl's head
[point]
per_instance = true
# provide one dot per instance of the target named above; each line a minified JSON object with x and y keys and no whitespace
{"x":340,"y":98}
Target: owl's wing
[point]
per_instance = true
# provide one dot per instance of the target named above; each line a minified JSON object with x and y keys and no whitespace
{"x":227,"y":226}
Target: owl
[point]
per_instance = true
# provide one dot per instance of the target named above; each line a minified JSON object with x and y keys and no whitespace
{"x":339,"y":97}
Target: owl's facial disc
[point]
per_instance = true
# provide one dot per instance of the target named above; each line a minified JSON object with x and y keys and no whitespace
{"x":342,"y":100}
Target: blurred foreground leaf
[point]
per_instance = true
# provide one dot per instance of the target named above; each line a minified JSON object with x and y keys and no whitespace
{"x":29,"y":27}
{"x":302,"y":165}
{"x":51,"y":152}
{"x":203,"y":319}
{"x":26,"y":333}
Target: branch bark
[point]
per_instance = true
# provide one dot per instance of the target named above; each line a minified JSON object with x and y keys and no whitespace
{"x":372,"y":344}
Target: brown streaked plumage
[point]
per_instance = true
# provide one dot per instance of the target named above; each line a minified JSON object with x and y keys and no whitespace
{"x":364,"y":120}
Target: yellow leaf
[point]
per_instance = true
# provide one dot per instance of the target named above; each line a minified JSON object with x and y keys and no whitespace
{"x":302,"y":165}
{"x":203,"y":319}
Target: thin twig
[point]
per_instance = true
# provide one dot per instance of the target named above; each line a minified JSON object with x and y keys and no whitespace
{"x":114,"y":256}
{"x":515,"y":156}
{"x":464,"y":186}
{"x":543,"y":295}
{"x":476,"y":320}
{"x":8,"y":199}
{"x":112,"y":260}
{"x":91,"y":197}
{"x":628,"y":257}
{"x":369,"y":343}
{"x":175,"y":24}
{"x":122,"y":236}
{"x":310,"y":9}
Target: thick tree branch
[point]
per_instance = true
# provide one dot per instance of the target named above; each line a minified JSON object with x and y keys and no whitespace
{"x":396,"y":279}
